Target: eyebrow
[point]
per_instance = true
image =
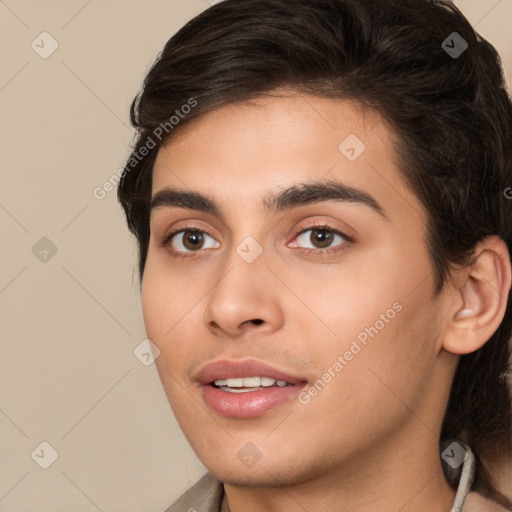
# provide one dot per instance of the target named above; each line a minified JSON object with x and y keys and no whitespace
{"x":300,"y":194}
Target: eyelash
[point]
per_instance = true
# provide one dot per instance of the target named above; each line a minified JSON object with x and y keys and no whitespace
{"x":165,"y":242}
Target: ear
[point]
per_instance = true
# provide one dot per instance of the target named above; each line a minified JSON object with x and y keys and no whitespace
{"x":477,"y":305}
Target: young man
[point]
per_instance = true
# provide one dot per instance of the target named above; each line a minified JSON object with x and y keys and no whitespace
{"x":319,"y":195}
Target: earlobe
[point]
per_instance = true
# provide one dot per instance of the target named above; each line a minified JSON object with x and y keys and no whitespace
{"x":480,"y":300}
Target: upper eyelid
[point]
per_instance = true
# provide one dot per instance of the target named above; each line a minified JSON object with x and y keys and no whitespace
{"x":299,"y":231}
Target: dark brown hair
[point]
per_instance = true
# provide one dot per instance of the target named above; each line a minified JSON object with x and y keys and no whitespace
{"x":450,"y":112}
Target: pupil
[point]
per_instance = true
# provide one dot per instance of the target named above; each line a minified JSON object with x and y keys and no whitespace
{"x":322,"y":237}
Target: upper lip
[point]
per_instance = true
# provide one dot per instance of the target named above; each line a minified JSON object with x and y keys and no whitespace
{"x":226,"y":369}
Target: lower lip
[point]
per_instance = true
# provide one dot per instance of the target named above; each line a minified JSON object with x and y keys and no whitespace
{"x":251,"y":403}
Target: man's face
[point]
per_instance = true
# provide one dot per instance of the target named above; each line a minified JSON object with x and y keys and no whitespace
{"x":348,"y":320}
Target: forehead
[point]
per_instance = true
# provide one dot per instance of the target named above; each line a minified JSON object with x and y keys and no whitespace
{"x":241,"y":152}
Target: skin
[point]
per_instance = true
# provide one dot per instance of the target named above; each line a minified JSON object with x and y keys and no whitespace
{"x":369,"y":439}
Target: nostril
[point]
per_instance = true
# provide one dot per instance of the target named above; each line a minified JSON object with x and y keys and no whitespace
{"x":257,"y":321}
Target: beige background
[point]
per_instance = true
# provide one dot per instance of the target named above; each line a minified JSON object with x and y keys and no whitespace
{"x":70,"y":324}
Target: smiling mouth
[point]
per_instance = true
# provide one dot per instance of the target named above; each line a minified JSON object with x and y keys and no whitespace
{"x":246,"y":388}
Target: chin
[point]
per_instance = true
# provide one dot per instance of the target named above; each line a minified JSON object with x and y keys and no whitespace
{"x":276,"y":472}
{"x":265,"y":477}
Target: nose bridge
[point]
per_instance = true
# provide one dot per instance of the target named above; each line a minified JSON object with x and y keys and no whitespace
{"x":246,"y":251}
{"x":242,"y":272}
{"x":242,"y":293}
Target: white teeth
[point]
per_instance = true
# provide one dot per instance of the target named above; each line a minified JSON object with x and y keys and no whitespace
{"x":235,"y":383}
{"x":250,"y":382}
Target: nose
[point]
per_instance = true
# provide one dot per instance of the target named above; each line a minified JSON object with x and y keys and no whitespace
{"x":245,"y":299}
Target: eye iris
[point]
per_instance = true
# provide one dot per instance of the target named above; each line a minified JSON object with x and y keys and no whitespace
{"x":321,"y":236}
{"x":195,"y":238}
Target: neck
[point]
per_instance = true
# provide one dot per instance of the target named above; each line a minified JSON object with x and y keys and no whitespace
{"x":406,"y":477}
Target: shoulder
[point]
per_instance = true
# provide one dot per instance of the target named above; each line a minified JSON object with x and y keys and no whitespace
{"x":204,"y":496}
{"x":477,"y":503}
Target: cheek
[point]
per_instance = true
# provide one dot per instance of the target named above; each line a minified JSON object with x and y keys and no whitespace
{"x":167,"y":299}
{"x":162,"y":308}
{"x":172,"y":308}
{"x":347,"y":299}
{"x":376,"y":382}
{"x":155,"y":308}
{"x":374,"y":331}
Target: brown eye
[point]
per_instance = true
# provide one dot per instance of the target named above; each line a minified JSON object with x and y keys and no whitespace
{"x":190,"y":240}
{"x":322,"y":237}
